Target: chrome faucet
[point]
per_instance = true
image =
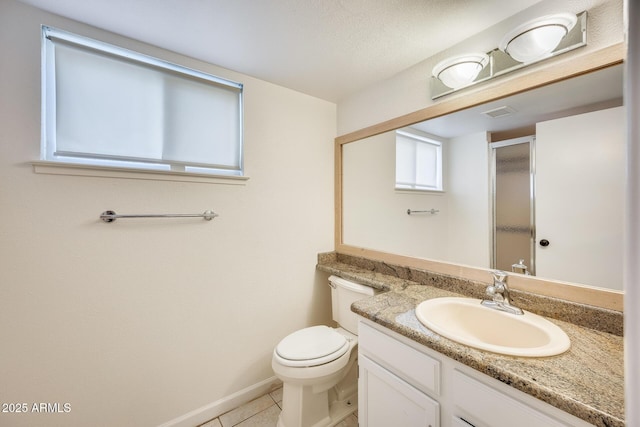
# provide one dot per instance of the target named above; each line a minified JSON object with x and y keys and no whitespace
{"x":520,"y":267}
{"x":499,"y":294}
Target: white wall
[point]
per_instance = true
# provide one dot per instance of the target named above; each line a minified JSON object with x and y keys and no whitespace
{"x":375,"y":214}
{"x":468,"y":201}
{"x":138,"y":322}
{"x":632,"y":217}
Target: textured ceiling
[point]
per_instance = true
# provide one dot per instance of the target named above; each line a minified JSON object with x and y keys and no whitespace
{"x":325,"y":48}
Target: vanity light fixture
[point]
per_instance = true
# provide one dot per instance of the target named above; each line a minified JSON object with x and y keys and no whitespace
{"x":459,"y":71}
{"x":536,"y":39}
{"x":533,"y":41}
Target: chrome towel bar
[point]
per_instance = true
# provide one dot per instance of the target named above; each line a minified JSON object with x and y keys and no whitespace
{"x":431,"y":211}
{"x":110,"y":216}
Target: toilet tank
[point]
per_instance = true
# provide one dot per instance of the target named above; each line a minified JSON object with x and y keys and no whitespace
{"x":343,"y":294}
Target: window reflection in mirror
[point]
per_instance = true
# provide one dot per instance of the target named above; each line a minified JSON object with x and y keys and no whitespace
{"x":418,"y":161}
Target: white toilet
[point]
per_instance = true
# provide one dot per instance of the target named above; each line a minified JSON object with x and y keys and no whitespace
{"x":318,"y":365}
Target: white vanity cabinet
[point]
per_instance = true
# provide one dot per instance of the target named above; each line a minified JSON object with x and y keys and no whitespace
{"x":402,"y":383}
{"x":393,"y":383}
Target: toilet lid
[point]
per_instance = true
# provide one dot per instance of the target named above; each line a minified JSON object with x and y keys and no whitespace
{"x":316,"y":342}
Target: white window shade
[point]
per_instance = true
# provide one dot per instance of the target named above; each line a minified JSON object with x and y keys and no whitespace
{"x":418,"y":162}
{"x":110,"y":104}
{"x":106,"y":107}
{"x":204,"y":124}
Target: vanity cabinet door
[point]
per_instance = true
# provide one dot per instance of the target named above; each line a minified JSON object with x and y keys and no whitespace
{"x":386,"y":400}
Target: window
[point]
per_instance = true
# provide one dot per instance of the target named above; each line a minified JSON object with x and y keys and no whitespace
{"x":418,"y":162}
{"x":108,"y":106}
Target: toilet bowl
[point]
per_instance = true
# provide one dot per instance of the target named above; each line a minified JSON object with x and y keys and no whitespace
{"x":318,"y":365}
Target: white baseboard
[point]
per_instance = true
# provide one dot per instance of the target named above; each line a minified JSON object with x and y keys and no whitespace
{"x":219,"y":407}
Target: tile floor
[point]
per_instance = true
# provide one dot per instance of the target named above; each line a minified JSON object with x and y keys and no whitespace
{"x":261,"y":412}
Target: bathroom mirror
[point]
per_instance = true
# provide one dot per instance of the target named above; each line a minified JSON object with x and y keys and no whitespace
{"x":455,"y":228}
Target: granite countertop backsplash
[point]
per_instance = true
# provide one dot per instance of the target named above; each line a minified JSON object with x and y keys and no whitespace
{"x":587,"y":381}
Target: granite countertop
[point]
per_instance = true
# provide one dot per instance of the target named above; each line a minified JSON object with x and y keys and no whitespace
{"x":587,"y":381}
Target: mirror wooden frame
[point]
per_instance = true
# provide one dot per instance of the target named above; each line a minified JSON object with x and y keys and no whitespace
{"x":551,"y":73}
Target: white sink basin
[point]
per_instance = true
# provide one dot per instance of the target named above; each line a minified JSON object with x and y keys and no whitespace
{"x":468,"y":322}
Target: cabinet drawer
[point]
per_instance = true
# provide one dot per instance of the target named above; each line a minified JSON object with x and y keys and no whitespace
{"x":486,"y":406}
{"x":385,"y":400}
{"x":415,"y":367}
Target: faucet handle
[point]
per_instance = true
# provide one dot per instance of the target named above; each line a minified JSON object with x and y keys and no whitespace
{"x":499,"y":294}
{"x":499,"y":275}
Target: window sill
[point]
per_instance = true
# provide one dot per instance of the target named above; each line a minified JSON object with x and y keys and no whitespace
{"x":73,"y":169}
{"x":414,"y":191}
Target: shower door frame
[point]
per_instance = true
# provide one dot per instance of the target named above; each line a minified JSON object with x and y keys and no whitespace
{"x":531,"y":140}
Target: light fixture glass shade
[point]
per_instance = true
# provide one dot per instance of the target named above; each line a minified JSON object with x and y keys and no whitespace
{"x":536,"y":39}
{"x":461,"y":70}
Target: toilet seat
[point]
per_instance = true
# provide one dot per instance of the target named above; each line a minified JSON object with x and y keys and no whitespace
{"x":312,"y":346}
